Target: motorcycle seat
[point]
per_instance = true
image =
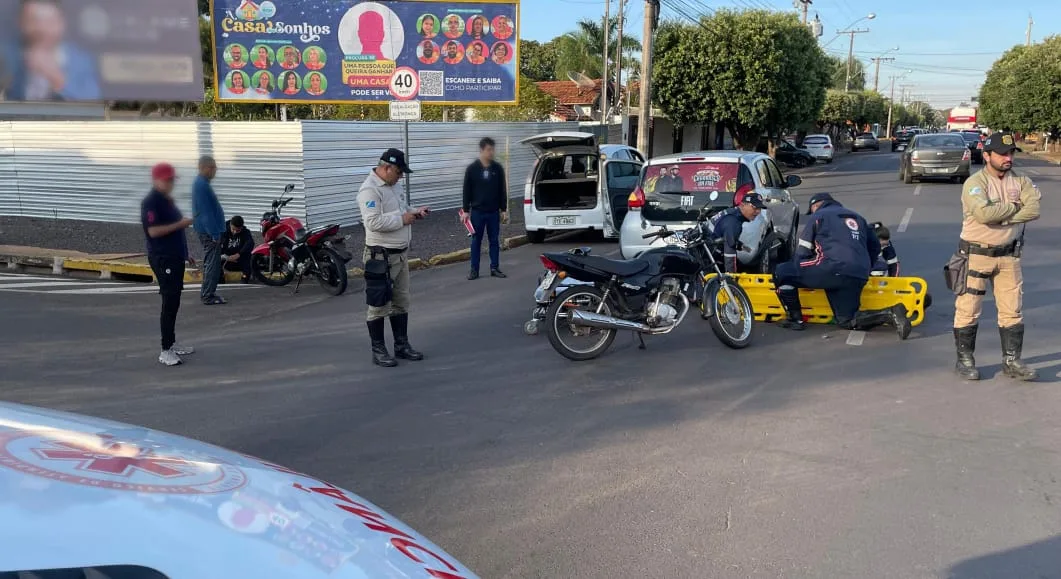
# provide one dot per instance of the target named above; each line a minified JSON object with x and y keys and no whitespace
{"x":619,"y":267}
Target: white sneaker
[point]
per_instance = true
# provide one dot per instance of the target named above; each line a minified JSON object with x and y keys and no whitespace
{"x":182,"y":350}
{"x":169,"y":358}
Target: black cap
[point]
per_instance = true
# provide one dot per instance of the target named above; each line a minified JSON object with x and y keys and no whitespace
{"x":818,"y":198}
{"x":397,"y":158}
{"x":1001,"y":142}
{"x":755,"y":199}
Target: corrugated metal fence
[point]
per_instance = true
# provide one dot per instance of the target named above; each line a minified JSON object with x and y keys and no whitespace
{"x":98,"y":171}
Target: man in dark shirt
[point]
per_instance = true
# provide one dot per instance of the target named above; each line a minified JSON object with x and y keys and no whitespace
{"x":486,"y":205}
{"x":730,"y":223}
{"x":236,"y":246}
{"x":167,"y":252}
{"x":671,"y":183}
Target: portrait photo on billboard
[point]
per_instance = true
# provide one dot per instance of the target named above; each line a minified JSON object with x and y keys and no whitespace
{"x":462,"y":52}
{"x":80,"y":51}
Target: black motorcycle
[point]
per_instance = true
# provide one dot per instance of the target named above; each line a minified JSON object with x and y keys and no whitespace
{"x":648,"y":295}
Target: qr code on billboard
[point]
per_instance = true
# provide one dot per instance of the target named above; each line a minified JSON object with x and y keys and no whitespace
{"x":431,"y":82}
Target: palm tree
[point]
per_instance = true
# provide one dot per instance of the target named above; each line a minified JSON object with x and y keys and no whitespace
{"x":582,"y":50}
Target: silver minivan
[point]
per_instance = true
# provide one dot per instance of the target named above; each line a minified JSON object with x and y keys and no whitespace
{"x":565,"y":190}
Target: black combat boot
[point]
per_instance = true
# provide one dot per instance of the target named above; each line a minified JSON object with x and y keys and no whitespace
{"x":894,"y":317}
{"x":1012,"y":345}
{"x":380,"y":355}
{"x":402,"y":349}
{"x":965,"y":342}
{"x":789,"y":298}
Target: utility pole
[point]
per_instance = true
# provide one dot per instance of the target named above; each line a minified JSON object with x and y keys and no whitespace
{"x":619,"y":51}
{"x":902,"y":93}
{"x":1028,"y":34}
{"x":804,"y":5}
{"x":851,"y":53}
{"x":876,"y":71}
{"x":647,"y":40}
{"x":604,"y":73}
{"x":891,"y":103}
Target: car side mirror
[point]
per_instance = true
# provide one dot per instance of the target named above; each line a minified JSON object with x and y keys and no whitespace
{"x":289,"y":188}
{"x":794,"y":181}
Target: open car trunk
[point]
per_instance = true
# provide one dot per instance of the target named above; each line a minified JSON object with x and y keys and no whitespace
{"x":567,"y":181}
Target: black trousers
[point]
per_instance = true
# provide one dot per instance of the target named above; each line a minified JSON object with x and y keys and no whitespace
{"x":243,"y":266}
{"x":169,"y":271}
{"x":844,"y":293}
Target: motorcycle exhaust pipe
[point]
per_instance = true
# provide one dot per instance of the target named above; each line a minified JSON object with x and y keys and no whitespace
{"x":592,"y":320}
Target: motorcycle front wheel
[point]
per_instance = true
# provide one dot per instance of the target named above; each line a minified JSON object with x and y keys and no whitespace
{"x":733,"y":319}
{"x":277,"y":275}
{"x":332,"y":272}
{"x":563,"y":334}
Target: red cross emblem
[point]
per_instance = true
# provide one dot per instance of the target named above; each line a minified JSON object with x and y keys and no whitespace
{"x":116,"y":458}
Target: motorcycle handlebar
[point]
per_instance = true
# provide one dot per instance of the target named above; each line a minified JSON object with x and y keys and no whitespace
{"x":661,"y":233}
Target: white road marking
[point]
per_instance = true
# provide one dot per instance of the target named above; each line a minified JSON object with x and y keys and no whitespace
{"x":1033,"y":171}
{"x":917,"y":190}
{"x":55,"y":283}
{"x":906,"y":219}
{"x":855,"y":338}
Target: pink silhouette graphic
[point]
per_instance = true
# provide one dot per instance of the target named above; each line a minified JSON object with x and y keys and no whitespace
{"x":370,"y":33}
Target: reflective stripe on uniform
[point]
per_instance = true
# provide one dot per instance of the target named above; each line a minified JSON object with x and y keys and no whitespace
{"x":893,"y":261}
{"x":806,"y":244}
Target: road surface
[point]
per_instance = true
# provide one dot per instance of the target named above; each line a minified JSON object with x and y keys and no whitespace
{"x":802,"y":456}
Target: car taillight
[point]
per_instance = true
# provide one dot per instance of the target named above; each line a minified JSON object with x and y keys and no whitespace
{"x":636,"y":200}
{"x":548,"y":263}
{"x":966,"y":155}
{"x":827,"y":147}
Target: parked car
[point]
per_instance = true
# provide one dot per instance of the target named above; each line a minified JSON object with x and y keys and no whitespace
{"x":942,"y":156}
{"x":821,"y":146}
{"x":793,"y":156}
{"x":975,"y":141}
{"x":865,"y":141}
{"x":564,"y":190}
{"x":93,"y":499}
{"x":674,"y":188}
{"x":901,"y":140}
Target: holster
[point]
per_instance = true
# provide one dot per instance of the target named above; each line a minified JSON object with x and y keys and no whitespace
{"x":379,"y":288}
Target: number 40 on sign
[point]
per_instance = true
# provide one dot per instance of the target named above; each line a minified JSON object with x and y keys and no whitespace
{"x":405,"y":83}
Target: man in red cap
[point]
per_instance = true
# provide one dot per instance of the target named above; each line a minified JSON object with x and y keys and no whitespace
{"x":167,"y":252}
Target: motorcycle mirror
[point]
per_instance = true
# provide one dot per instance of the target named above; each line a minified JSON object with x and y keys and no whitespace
{"x":289,"y":188}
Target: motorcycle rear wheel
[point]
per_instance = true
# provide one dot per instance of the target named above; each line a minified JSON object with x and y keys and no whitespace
{"x":733,"y":320}
{"x":332,"y":277}
{"x":556,"y":324}
{"x":260,"y":269}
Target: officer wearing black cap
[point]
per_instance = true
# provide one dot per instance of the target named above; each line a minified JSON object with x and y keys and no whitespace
{"x":729,"y":224}
{"x":996,"y":205}
{"x":388,"y":232}
{"x":836,"y":253}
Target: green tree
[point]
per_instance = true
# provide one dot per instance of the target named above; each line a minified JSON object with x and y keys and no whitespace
{"x":534,"y":105}
{"x":836,"y":111}
{"x":838,"y":73}
{"x":755,"y":71}
{"x":1022,"y":91}
{"x":537,"y":61}
{"x":582,"y":50}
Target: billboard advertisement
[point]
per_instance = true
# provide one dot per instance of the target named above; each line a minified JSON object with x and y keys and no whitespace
{"x":362,"y":52}
{"x":88,"y":50}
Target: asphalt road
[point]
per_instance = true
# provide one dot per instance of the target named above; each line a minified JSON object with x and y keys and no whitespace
{"x":802,"y":456}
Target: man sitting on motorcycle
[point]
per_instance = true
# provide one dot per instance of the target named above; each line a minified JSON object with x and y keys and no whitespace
{"x":727,"y":226}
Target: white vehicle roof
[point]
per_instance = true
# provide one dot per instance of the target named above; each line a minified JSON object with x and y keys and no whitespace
{"x":79,"y":492}
{"x":705,"y":157}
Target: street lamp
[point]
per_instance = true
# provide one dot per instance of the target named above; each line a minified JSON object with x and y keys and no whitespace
{"x":891,"y":100}
{"x":851,"y":46}
{"x":869,"y":16}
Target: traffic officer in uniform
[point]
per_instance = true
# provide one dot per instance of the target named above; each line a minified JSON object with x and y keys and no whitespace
{"x":996,"y":205}
{"x":728,"y":225}
{"x":836,"y":253}
{"x":388,"y":232}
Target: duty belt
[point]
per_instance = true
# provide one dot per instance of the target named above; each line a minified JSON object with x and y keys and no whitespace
{"x":987,"y":250}
{"x":386,"y":250}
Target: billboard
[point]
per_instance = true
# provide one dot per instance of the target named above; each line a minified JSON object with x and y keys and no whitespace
{"x":88,"y":50}
{"x":451,"y":52}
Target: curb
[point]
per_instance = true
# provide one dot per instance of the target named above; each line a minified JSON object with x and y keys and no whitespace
{"x":109,"y":269}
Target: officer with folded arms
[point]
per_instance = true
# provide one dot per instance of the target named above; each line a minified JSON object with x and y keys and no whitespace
{"x":388,"y":232}
{"x":996,"y":205}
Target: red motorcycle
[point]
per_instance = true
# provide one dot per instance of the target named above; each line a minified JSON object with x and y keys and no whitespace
{"x":290,"y":252}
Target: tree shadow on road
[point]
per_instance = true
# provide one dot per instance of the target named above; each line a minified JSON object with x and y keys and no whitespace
{"x":1041,"y":560}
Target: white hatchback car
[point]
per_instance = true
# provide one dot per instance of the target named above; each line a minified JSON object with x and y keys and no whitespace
{"x":565,"y":191}
{"x":674,"y":188}
{"x":821,"y":146}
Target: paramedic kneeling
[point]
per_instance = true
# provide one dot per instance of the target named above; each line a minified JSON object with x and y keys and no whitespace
{"x":837,"y":250}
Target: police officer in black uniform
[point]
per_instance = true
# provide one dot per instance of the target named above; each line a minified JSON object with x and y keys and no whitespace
{"x":729,"y":224}
{"x":837,"y":250}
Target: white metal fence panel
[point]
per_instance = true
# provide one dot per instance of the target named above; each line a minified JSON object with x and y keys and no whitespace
{"x":9,"y":198}
{"x":338,"y":155}
{"x":99,"y":171}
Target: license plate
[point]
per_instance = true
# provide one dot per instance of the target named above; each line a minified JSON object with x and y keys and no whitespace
{"x":562,"y":220}
{"x":901,"y":148}
{"x":944,"y":170}
{"x":547,"y":280}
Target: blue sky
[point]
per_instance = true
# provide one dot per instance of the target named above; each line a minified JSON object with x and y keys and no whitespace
{"x":947,"y":44}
